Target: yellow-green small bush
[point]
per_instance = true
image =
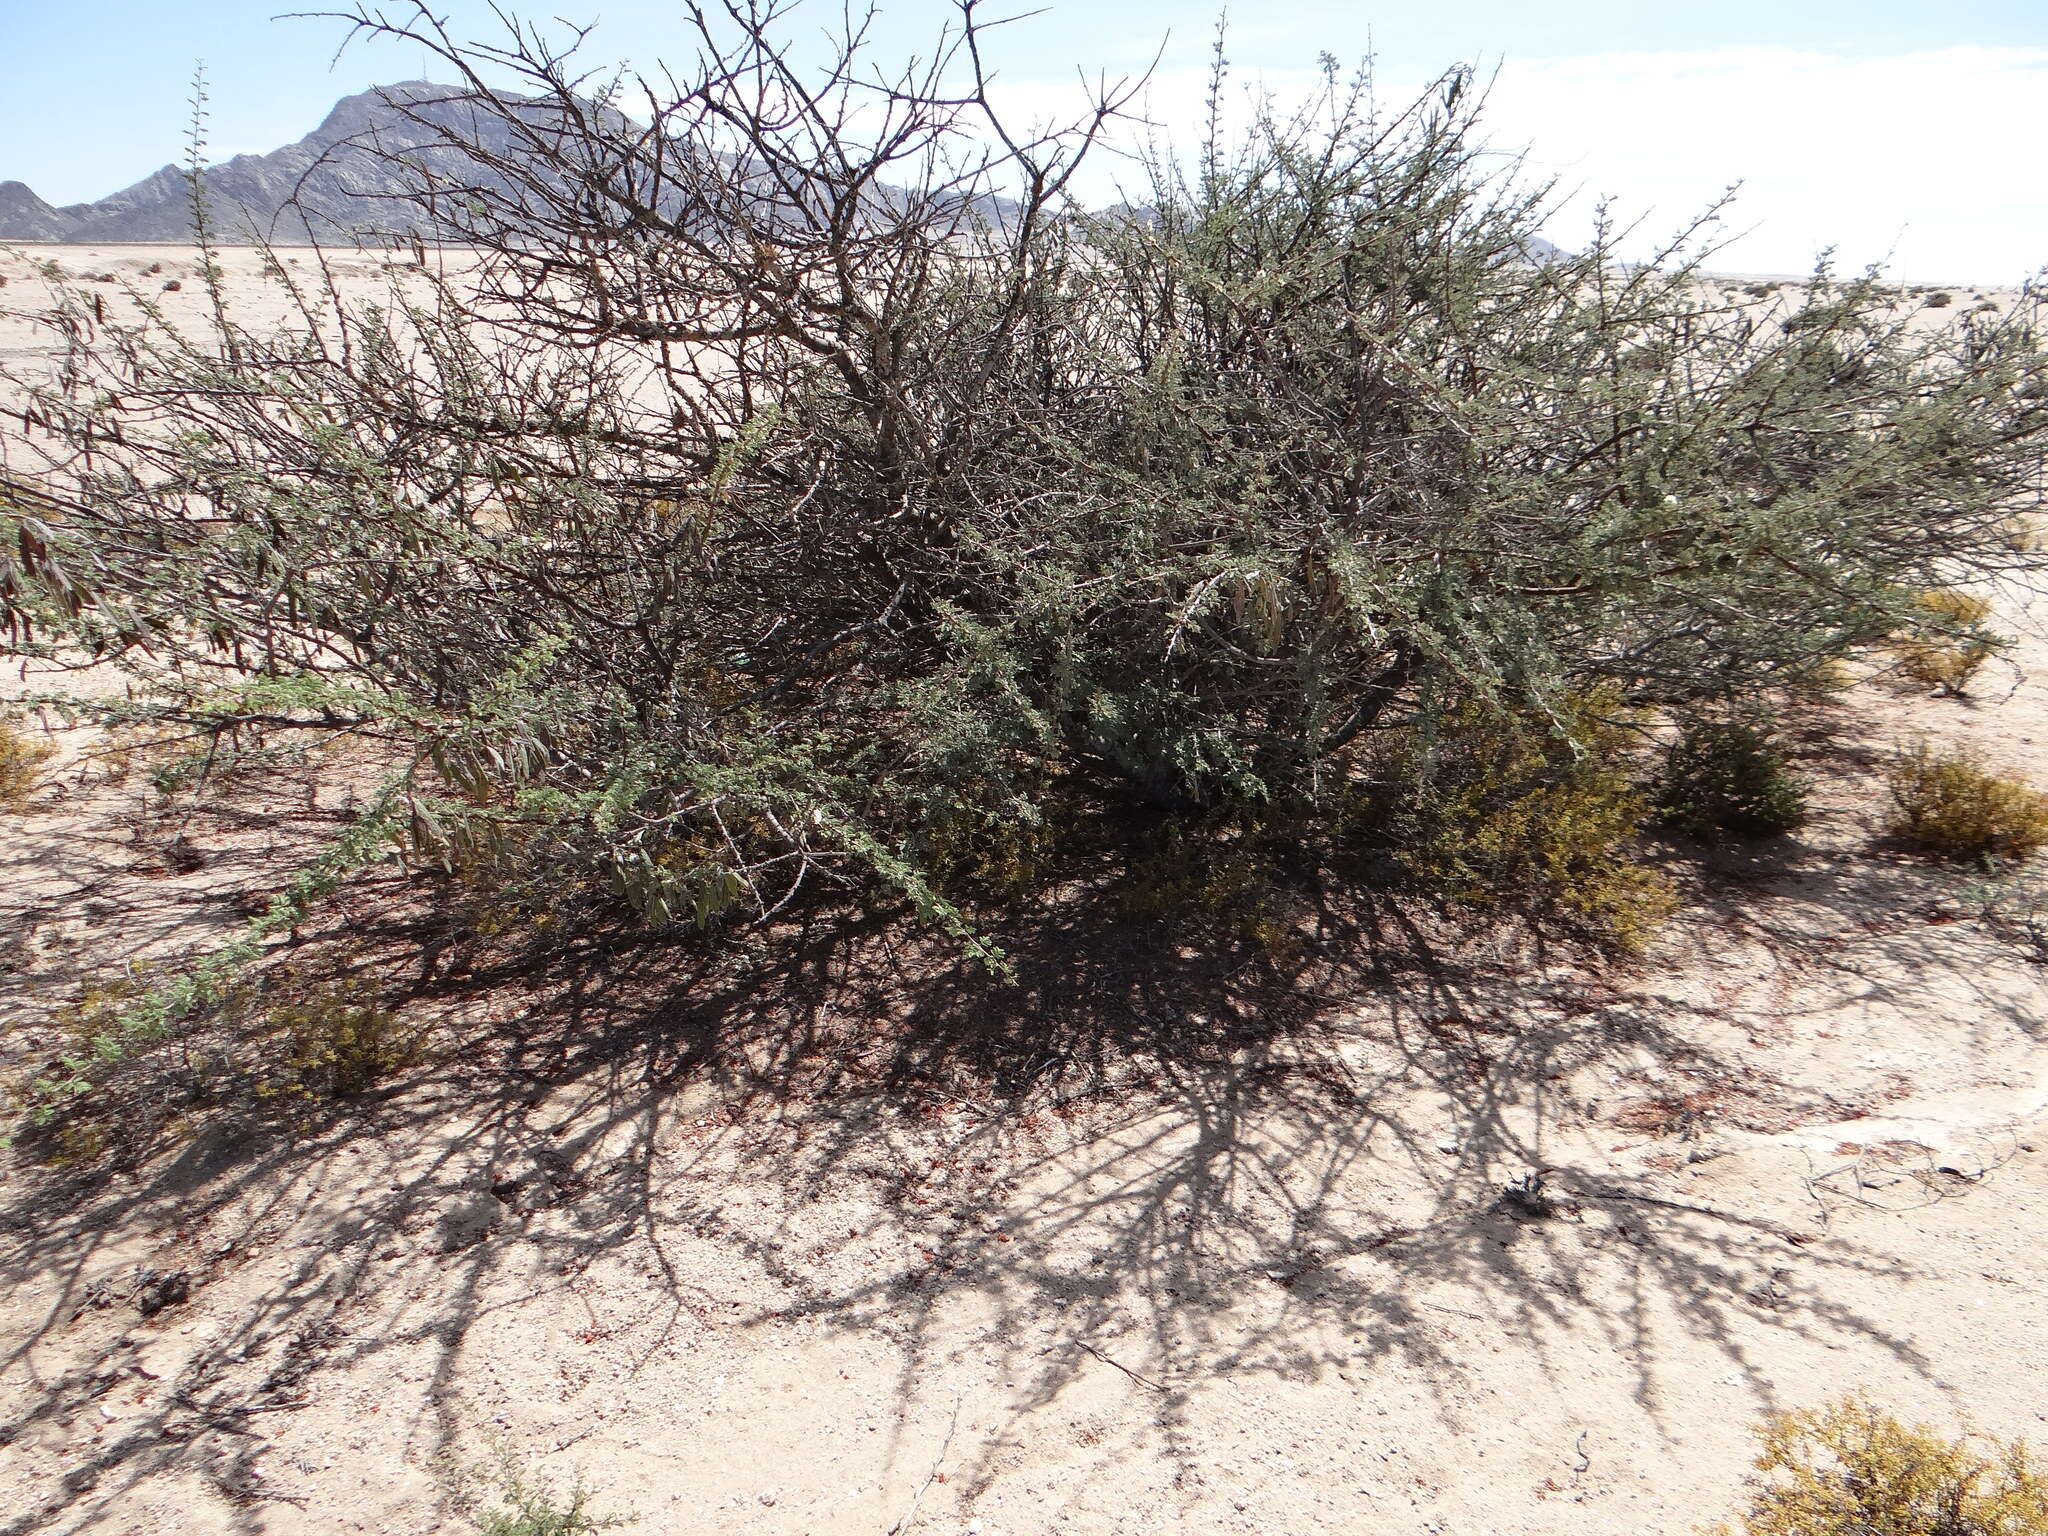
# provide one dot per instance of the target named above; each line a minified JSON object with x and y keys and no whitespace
{"x":1850,"y":1470}
{"x":20,"y":762}
{"x":340,"y":1041}
{"x":1234,"y":883}
{"x":1946,"y":650}
{"x":975,"y":852}
{"x":1820,"y":681}
{"x":1948,"y":802}
{"x":1533,"y":815}
{"x":525,"y":1504}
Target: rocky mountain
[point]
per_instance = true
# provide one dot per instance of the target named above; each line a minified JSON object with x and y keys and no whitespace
{"x":336,"y":181}
{"x":24,"y":216}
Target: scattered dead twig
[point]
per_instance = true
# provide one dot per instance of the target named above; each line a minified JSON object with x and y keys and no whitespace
{"x":910,"y":1514}
{"x":1935,"y":1181}
{"x":1143,"y":1381}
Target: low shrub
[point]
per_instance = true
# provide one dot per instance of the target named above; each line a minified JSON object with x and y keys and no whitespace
{"x":519,"y":1503}
{"x":1948,"y":802}
{"x":340,"y":1040}
{"x":1725,"y":776}
{"x":1233,"y":882}
{"x":21,"y":761}
{"x":1946,"y":650}
{"x":1535,"y":815}
{"x":1849,"y":1469}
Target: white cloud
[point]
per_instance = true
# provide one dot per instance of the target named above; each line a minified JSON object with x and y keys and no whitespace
{"x":1929,"y":158}
{"x":1924,"y":161}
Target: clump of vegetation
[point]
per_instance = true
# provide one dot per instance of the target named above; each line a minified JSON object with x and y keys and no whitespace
{"x":251,"y":1038}
{"x":1849,"y":1469}
{"x":1948,"y":802}
{"x":1729,"y":776}
{"x":1939,"y":300}
{"x":1947,"y":643}
{"x":21,"y":761}
{"x":825,"y":502}
{"x":519,"y":1503}
{"x":1537,"y":815}
{"x":340,"y":1040}
{"x":1232,"y":880}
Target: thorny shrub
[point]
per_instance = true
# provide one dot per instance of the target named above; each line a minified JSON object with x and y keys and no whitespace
{"x":799,"y":488}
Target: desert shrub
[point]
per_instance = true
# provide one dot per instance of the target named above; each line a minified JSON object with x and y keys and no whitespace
{"x":339,"y":1040}
{"x":1950,"y":803}
{"x":799,"y":494}
{"x":1533,"y":814}
{"x":1940,"y":300}
{"x":1730,"y":776}
{"x":1230,"y":873}
{"x":1947,"y":642}
{"x":504,"y":1498}
{"x":20,"y":763}
{"x":1849,"y":1469}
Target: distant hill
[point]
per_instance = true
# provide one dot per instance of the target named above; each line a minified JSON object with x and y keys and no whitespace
{"x":338,"y":182}
{"x":340,"y":173}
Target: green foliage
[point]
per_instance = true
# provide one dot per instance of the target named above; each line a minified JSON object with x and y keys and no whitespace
{"x":521,"y":1504}
{"x":340,"y":1040}
{"x":1727,"y":776}
{"x":1535,"y":814}
{"x":1950,"y":803}
{"x":20,"y":763}
{"x":1849,"y":1469}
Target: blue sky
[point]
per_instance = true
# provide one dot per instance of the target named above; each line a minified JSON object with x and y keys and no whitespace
{"x":1891,"y":129}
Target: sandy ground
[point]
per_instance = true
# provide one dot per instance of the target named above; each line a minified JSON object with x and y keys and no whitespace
{"x":1264,"y":1280}
{"x":120,"y":274}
